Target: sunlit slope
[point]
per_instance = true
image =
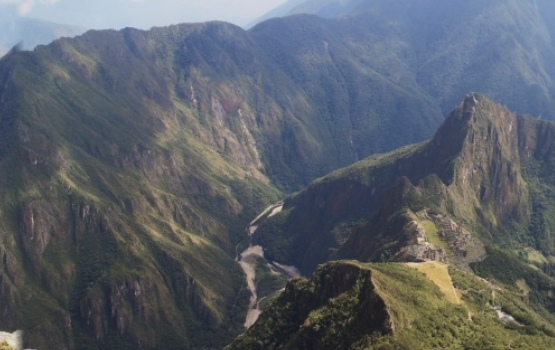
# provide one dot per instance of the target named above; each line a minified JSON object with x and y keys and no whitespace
{"x":119,"y":221}
{"x":350,"y":305}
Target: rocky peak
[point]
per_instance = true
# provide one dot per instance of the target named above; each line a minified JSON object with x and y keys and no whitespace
{"x":470,"y":178}
{"x":480,"y":143}
{"x":341,"y":298}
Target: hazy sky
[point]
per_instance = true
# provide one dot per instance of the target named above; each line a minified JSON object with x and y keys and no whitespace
{"x":144,"y":14}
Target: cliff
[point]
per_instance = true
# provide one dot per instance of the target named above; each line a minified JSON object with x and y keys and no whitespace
{"x":474,"y":183}
{"x":350,"y":305}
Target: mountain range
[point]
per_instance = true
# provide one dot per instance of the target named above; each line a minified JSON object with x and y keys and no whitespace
{"x":131,"y":163}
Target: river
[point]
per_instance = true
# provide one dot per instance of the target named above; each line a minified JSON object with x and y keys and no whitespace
{"x":248,"y":260}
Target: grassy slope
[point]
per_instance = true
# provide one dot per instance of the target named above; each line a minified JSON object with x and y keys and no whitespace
{"x":121,"y":196}
{"x":439,"y":274}
{"x":420,"y":317}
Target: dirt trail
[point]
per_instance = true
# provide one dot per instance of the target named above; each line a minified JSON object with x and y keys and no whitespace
{"x":289,"y":271}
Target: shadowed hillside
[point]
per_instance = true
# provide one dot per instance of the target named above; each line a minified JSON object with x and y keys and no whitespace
{"x":132,"y":161}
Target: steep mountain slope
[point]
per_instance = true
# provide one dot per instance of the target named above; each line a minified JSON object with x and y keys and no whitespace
{"x":350,"y":305}
{"x":483,"y":179}
{"x":359,"y":107}
{"x":500,"y":48}
{"x":131,"y":162}
{"x":119,"y":223}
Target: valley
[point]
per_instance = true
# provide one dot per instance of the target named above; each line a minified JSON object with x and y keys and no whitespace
{"x":325,"y":179}
{"x":254,"y":255}
{"x":413,"y":208}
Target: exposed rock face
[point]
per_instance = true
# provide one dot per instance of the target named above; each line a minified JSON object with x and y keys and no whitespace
{"x":122,"y":209}
{"x":336,"y":308}
{"x":488,"y":161}
{"x":470,"y":183}
{"x":351,"y":305}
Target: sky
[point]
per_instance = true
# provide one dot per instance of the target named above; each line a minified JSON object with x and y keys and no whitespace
{"x":144,"y":14}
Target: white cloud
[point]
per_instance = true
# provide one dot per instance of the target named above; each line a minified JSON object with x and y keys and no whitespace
{"x":25,"y":6}
{"x":100,"y":14}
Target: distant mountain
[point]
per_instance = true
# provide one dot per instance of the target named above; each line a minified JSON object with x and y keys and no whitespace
{"x":29,"y":32}
{"x":279,"y":11}
{"x":132,"y":162}
{"x":448,"y":48}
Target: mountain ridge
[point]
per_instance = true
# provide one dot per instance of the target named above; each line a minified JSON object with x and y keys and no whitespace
{"x":479,"y":147}
{"x":352,"y":305}
{"x":132,"y":161}
{"x":442,"y":34}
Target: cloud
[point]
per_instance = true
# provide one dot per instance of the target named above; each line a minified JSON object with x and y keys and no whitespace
{"x":25,"y":6}
{"x":100,"y":14}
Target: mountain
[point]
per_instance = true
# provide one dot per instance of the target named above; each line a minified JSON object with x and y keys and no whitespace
{"x":122,"y":205}
{"x":132,"y":161}
{"x":470,"y":207}
{"x":351,"y":305}
{"x":482,"y":180}
{"x":448,"y":48}
{"x":29,"y":32}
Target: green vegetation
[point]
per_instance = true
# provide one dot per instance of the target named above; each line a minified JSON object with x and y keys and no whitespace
{"x":268,"y":281}
{"x":417,"y":315}
{"x":455,"y":198}
{"x":438,"y":273}
{"x":132,"y":161}
{"x":119,"y":221}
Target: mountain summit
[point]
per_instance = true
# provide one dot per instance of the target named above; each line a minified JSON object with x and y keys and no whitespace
{"x":469,"y":210}
{"x":480,"y":179}
{"x":131,"y":161}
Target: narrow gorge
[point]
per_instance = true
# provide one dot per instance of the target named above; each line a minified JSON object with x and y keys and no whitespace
{"x":254,"y":255}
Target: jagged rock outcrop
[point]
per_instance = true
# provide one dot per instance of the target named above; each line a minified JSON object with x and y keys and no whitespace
{"x":123,"y":150}
{"x":351,"y":305}
{"x":339,"y":306}
{"x":475,"y":182}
